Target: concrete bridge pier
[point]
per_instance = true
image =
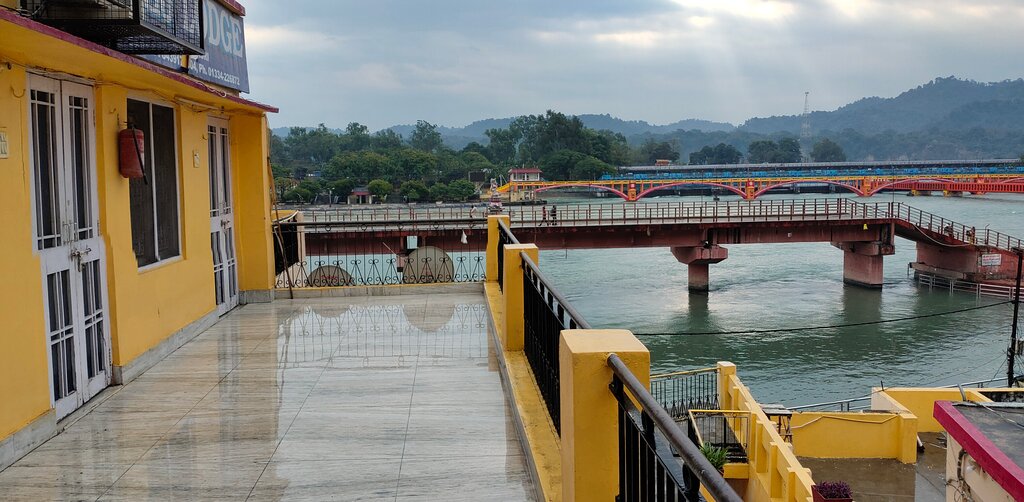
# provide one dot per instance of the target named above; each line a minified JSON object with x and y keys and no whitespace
{"x":862,"y":262}
{"x":698,"y":260}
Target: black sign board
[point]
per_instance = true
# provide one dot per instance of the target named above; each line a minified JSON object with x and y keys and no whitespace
{"x":224,"y":61}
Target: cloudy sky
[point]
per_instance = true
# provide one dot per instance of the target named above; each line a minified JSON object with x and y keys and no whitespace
{"x":387,"y":62}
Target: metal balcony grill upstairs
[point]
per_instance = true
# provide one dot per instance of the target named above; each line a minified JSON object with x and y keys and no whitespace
{"x":129,"y":26}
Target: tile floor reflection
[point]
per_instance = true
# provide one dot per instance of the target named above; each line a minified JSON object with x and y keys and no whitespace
{"x":377,"y":398}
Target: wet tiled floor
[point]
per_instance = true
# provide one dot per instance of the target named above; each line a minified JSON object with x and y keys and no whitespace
{"x":359,"y":398}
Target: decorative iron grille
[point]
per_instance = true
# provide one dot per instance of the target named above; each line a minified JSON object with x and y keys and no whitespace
{"x":129,"y":26}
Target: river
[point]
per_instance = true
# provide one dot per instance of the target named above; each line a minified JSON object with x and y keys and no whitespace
{"x":773,"y":286}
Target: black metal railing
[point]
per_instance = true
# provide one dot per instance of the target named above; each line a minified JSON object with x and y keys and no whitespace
{"x":321,"y":255}
{"x":505,"y":237}
{"x":648,"y":436}
{"x":682,"y":391}
{"x":727,"y":429}
{"x":546,"y":314}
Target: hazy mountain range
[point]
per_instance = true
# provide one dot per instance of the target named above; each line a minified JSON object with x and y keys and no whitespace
{"x":944,"y":107}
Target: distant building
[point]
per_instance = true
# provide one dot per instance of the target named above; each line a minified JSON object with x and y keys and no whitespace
{"x":361,"y":195}
{"x":524,"y":174}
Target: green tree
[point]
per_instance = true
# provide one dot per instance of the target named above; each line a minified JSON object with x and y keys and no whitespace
{"x":558,"y":165}
{"x":386,"y":140}
{"x":380,"y":189}
{"x":415,"y":164}
{"x":439,"y":192}
{"x":298,"y":195}
{"x":788,"y":151}
{"x":282,"y":185}
{"x":461,"y":190}
{"x":341,"y":188}
{"x":718,"y":154}
{"x":503,"y":143}
{"x":761,"y":151}
{"x":361,"y":167}
{"x":590,"y":168}
{"x":414,"y":191}
{"x":652,"y":151}
{"x":827,"y":150}
{"x":425,"y":137}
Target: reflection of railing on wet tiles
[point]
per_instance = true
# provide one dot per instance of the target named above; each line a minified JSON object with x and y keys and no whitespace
{"x":318,"y":333}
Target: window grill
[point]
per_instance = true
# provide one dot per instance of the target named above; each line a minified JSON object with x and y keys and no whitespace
{"x":129,"y":26}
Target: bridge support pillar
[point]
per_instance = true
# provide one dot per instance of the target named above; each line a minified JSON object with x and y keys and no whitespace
{"x":698,"y":260}
{"x":862,"y":262}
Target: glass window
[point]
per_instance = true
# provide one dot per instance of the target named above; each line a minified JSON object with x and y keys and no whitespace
{"x":154,"y":199}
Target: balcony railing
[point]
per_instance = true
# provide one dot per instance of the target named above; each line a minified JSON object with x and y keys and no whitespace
{"x":505,"y":237}
{"x":547,"y":313}
{"x":332,"y":254}
{"x":727,"y":429}
{"x":648,"y":435}
{"x":681,"y":391}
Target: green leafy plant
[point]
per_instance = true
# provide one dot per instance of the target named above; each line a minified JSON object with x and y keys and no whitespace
{"x":716,"y":455}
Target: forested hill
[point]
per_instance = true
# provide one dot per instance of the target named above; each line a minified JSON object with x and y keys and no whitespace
{"x":458,"y":137}
{"x":944,"y":104}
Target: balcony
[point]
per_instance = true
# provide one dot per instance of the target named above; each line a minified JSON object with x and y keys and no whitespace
{"x":130,"y":26}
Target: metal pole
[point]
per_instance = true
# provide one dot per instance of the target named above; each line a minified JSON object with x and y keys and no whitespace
{"x":1011,"y":352}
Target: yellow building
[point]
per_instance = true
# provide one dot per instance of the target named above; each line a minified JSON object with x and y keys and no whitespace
{"x":105,"y":275}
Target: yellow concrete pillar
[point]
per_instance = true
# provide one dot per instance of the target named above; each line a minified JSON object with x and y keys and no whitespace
{"x":492,"y":245}
{"x":725,"y":371}
{"x":589,"y":412}
{"x":512,"y":292}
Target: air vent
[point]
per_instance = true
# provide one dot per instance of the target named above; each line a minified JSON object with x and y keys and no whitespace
{"x":129,"y":26}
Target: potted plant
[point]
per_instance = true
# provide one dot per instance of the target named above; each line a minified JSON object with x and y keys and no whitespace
{"x":716,"y":455}
{"x":832,"y":490}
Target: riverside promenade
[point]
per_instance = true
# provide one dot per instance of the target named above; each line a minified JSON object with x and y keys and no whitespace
{"x":355,"y":398}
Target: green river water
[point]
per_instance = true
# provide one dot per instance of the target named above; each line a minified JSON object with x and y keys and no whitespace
{"x":771,"y":286}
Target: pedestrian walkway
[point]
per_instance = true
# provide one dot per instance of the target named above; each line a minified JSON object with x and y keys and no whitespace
{"x":359,"y":398}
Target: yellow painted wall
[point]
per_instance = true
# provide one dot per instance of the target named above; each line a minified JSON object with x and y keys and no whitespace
{"x":24,"y":371}
{"x":144,"y":307}
{"x":846,"y":435}
{"x":775,"y":472}
{"x":250,"y":150}
{"x":921,"y":402}
{"x":10,"y":3}
{"x":154,"y":303}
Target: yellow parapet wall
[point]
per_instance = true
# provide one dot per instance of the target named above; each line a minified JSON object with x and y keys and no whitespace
{"x":921,"y":401}
{"x":774,"y":471}
{"x":855,"y":435}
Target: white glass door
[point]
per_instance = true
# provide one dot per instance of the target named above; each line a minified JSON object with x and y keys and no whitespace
{"x":222,"y":220}
{"x":67,"y":240}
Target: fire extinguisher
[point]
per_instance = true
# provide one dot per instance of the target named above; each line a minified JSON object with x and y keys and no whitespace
{"x":131,"y":144}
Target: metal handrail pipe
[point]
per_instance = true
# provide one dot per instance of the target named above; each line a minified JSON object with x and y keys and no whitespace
{"x":569,"y":309}
{"x":691,"y":455}
{"x":681,"y":373}
{"x":508,"y":232}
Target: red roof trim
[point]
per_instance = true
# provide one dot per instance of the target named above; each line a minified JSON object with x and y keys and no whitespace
{"x":525,"y":170}
{"x":233,"y":6}
{"x":1005,"y":471}
{"x":27,"y":23}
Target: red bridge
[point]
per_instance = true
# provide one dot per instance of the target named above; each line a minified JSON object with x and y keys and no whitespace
{"x":696,"y":233}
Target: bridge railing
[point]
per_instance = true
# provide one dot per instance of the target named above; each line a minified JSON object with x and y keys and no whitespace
{"x":324,"y":254}
{"x":680,"y":212}
{"x":953,"y":229}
